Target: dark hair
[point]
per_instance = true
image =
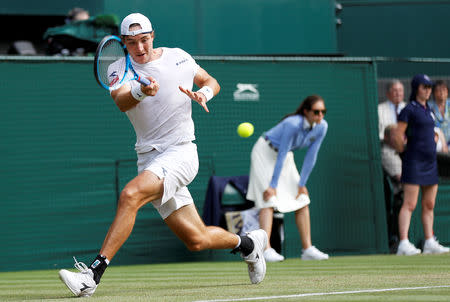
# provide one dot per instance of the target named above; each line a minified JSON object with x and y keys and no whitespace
{"x":439,"y":83}
{"x":306,"y":104}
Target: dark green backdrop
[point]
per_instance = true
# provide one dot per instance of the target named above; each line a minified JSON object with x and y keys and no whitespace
{"x":394,"y":28}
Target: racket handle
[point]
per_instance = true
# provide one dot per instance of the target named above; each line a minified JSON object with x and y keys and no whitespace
{"x":143,"y":81}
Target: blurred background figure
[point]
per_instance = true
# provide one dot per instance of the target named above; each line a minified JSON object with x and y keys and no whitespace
{"x":390,"y":159}
{"x":81,"y":33}
{"x":390,"y":109}
{"x":441,"y":143}
{"x":77,"y":14}
{"x":419,"y":166}
{"x":440,"y":108}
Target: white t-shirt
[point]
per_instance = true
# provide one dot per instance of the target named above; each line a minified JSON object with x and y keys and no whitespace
{"x":166,"y":118}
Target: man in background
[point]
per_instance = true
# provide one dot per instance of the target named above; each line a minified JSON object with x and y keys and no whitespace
{"x":390,"y":159}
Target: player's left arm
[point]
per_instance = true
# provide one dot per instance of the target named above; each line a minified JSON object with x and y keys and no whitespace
{"x":209,"y":87}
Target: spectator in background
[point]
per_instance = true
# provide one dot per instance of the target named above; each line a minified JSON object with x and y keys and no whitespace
{"x":81,"y":33}
{"x":274,"y":178}
{"x":441,"y":143}
{"x":77,"y":14}
{"x":440,"y":108}
{"x":389,"y":109}
{"x":419,"y":166}
{"x":390,"y":159}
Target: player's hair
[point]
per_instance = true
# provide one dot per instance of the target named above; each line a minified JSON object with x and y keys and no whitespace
{"x":306,"y":104}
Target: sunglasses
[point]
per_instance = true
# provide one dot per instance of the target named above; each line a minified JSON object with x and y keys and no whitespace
{"x":317,"y":112}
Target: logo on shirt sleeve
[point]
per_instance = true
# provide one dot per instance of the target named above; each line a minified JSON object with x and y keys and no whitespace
{"x":113,"y":78}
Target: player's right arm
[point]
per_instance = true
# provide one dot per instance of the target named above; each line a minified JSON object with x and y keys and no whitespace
{"x":124,"y":98}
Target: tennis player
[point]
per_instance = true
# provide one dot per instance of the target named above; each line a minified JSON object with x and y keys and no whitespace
{"x":167,"y":157}
{"x":274,"y":178}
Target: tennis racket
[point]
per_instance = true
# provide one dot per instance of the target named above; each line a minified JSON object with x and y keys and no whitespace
{"x":112,"y":65}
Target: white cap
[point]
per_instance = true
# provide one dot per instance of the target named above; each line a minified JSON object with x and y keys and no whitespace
{"x":143,"y":21}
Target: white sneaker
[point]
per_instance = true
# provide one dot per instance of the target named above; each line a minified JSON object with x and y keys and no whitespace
{"x":432,"y":246}
{"x":81,"y":284}
{"x":255,"y":260}
{"x":312,"y":253}
{"x":407,"y":248}
{"x":272,"y":256}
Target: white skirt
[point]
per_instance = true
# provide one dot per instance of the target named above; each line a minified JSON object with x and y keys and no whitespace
{"x":263,"y":159}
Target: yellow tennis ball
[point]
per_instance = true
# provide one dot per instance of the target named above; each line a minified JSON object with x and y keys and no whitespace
{"x":245,"y":129}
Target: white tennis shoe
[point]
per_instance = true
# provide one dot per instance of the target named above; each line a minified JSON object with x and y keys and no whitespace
{"x":312,"y":253}
{"x":407,"y":248}
{"x":432,"y":246}
{"x":255,"y":260}
{"x":272,"y":256}
{"x":81,"y":284}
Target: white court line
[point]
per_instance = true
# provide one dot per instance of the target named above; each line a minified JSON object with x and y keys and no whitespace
{"x":326,"y":294}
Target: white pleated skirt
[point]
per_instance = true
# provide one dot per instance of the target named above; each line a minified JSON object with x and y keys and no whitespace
{"x":263,"y":159}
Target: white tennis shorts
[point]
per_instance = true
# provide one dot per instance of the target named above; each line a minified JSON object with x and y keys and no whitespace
{"x":263,"y":159}
{"x":178,"y":166}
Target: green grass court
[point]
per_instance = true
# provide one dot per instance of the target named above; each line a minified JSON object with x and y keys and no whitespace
{"x":345,"y":278}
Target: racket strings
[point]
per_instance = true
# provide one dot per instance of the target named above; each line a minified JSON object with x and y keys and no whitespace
{"x":111,"y":63}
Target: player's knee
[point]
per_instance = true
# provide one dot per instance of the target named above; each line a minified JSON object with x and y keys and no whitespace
{"x":129,"y":198}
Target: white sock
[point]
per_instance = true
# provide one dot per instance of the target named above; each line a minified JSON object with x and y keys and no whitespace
{"x":239,"y":242}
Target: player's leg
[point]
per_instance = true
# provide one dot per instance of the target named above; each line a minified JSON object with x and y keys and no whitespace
{"x":186,"y":223}
{"x":142,"y":189}
{"x":189,"y":227}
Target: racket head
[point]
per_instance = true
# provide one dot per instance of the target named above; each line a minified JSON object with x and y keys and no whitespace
{"x":111,"y":63}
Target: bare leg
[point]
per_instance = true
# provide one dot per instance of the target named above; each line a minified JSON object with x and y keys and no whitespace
{"x":303,"y":222}
{"x":190,"y":228}
{"x":428,"y":201}
{"x":266,"y":221}
{"x":142,"y":189}
{"x":411,"y":193}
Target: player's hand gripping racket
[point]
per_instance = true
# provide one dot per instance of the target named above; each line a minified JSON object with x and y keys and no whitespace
{"x":112,"y":65}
